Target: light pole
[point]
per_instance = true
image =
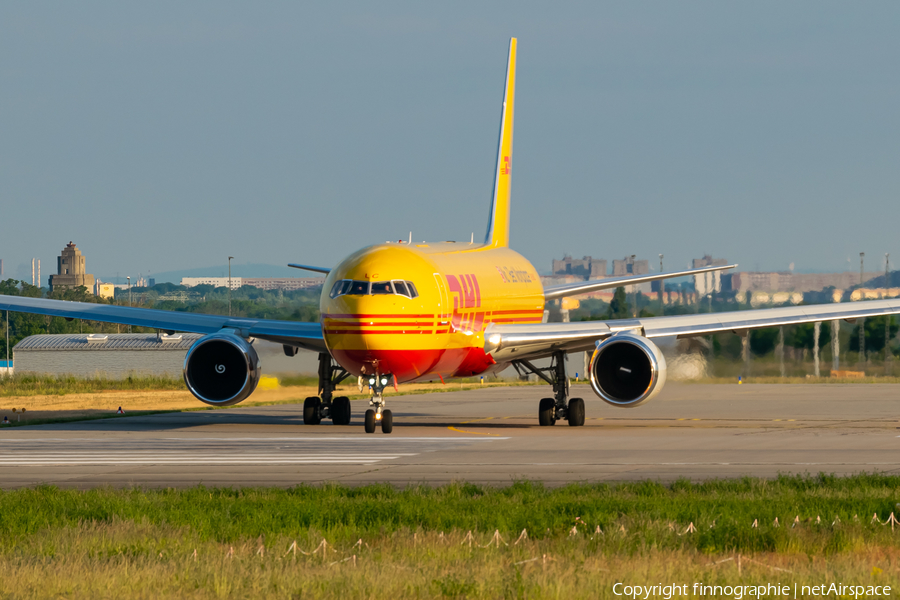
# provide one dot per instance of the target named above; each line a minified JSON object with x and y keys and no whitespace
{"x":7,"y":343}
{"x":633,"y":289}
{"x":129,"y":297}
{"x":861,"y":322}
{"x":662,"y":286}
{"x":229,"y":285}
{"x":888,"y":356}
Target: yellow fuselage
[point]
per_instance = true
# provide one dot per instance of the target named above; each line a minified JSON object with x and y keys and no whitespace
{"x":461,"y":289}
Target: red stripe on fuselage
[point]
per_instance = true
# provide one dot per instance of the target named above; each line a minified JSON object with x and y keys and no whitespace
{"x":381,"y":323}
{"x":376,"y":316}
{"x":408,"y":365}
{"x":376,"y":331}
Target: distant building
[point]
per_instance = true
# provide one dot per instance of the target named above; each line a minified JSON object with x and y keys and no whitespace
{"x":786,"y":281}
{"x":114,"y":355}
{"x":71,"y":272}
{"x":104,"y":290}
{"x":628,"y":266}
{"x":285,"y":283}
{"x":708,"y":283}
{"x":263,"y":283}
{"x":213,"y":281}
{"x":586,"y":268}
{"x":572,"y":270}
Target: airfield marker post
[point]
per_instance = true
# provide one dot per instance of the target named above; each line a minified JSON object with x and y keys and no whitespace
{"x":817,"y":328}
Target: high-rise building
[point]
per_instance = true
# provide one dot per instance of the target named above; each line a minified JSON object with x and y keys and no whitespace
{"x":587,"y":267}
{"x":629,"y":266}
{"x":708,"y":283}
{"x":71,"y":273}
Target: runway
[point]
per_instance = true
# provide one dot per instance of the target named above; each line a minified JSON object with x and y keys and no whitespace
{"x":484,"y":436}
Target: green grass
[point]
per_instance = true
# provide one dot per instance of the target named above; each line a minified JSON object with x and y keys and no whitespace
{"x":228,"y":515}
{"x":38,"y":385}
{"x":389,"y":543}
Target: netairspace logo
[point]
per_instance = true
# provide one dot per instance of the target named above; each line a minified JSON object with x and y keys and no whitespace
{"x":739,"y":592}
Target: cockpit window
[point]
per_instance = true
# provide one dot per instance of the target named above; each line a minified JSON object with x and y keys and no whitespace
{"x":400,"y":288}
{"x":381,"y":287}
{"x":364,"y":288}
{"x":358,"y":288}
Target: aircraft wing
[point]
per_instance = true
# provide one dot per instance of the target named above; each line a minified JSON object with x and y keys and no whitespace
{"x":514,"y":342}
{"x":302,"y":335}
{"x":595,"y":285}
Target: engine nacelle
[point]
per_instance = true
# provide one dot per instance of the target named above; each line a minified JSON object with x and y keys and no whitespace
{"x":627,"y":370}
{"x":221,"y":369}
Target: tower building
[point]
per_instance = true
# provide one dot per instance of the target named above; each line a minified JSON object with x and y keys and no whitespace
{"x":71,"y":272}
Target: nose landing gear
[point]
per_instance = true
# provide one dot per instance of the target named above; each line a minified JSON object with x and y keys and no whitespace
{"x":379,"y":415}
{"x":560,"y":406}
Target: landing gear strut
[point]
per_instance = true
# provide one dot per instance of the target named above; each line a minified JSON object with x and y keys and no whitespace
{"x":560,"y":406}
{"x":326,"y":405}
{"x":378,"y":414}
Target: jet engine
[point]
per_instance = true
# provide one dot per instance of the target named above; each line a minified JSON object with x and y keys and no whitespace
{"x":221,"y":369}
{"x":627,"y":370}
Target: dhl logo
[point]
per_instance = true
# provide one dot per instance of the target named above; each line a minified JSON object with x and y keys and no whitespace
{"x":504,"y":169}
{"x":466,"y":294}
{"x":466,"y":290}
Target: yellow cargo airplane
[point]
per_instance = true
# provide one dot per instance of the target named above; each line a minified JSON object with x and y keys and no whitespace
{"x":400,"y":312}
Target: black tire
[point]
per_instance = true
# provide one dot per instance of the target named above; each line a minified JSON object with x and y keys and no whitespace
{"x":370,"y":421}
{"x":547,"y":412}
{"x":576,"y":412}
{"x":387,"y":422}
{"x":311,"y":411}
{"x":340,"y":411}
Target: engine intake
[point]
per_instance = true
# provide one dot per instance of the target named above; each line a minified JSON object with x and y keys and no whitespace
{"x":627,"y":370}
{"x":221,"y":369}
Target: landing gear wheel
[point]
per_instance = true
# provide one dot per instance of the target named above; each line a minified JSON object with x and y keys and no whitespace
{"x":311,"y":411}
{"x":547,"y":412}
{"x":370,"y":421}
{"x":340,"y":411}
{"x":576,"y":412}
{"x":387,"y":422}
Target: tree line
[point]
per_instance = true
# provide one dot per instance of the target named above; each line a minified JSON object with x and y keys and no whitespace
{"x":249,"y":302}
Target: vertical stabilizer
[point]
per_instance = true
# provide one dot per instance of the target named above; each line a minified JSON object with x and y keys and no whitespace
{"x":498,"y":226}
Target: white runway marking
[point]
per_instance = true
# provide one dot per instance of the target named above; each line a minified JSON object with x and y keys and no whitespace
{"x":37,"y":460}
{"x":219,"y":451}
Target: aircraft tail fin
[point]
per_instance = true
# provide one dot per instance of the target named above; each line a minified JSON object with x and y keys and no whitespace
{"x":498,"y":225}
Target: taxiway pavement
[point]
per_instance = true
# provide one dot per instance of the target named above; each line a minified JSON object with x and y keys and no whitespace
{"x":486,"y":436}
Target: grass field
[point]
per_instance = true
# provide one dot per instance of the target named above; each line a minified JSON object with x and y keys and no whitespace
{"x":416,"y":543}
{"x":20,"y":385}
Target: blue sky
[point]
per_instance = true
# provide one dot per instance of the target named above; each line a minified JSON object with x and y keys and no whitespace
{"x":168,"y":135}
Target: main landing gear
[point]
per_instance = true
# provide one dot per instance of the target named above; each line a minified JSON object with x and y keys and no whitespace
{"x":560,"y":407}
{"x":378,"y":415}
{"x":325,"y":405}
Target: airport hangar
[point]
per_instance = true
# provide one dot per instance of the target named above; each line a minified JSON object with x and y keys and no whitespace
{"x":113,"y":355}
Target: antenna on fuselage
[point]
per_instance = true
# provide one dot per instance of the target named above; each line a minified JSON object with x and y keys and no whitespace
{"x":472,"y":241}
{"x":410,"y":238}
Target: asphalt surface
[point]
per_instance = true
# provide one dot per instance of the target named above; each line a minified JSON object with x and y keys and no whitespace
{"x":485,"y":436}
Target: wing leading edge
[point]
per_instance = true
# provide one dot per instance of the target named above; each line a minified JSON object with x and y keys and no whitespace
{"x":513,"y":342}
{"x":595,"y":285}
{"x":303,"y":335}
